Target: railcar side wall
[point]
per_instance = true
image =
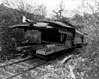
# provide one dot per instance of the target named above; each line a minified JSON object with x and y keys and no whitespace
{"x":78,"y":39}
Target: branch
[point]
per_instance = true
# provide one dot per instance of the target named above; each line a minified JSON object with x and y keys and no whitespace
{"x":71,"y":72}
{"x":65,"y":59}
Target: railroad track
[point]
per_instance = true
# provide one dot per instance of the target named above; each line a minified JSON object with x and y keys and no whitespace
{"x":29,"y":69}
{"x":7,"y":69}
{"x":16,"y":62}
{"x":13,"y":69}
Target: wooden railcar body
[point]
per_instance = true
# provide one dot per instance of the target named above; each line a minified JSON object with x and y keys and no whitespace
{"x":47,"y":37}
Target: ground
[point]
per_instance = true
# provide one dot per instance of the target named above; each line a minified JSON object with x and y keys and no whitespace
{"x":81,"y":66}
{"x":85,"y":66}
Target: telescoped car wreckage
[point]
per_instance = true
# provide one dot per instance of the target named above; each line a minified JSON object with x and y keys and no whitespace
{"x":47,"y":37}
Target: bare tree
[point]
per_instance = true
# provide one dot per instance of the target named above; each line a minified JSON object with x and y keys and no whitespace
{"x":40,"y":11}
{"x":19,"y":4}
{"x":92,"y":20}
{"x":78,"y":21}
{"x":58,"y":13}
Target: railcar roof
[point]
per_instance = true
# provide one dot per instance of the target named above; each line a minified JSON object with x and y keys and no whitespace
{"x":58,"y":24}
{"x":54,"y":24}
{"x":19,"y":25}
{"x":79,"y":32}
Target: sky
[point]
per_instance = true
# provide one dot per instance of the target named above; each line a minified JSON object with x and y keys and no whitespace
{"x":71,"y":6}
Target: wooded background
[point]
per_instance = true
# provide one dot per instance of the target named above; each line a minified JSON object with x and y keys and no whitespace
{"x":86,"y":23}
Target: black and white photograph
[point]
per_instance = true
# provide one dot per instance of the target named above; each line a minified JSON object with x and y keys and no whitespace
{"x":49,"y":39}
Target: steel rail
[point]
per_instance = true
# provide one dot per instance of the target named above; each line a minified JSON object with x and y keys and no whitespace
{"x":45,"y":62}
{"x":9,"y":64}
